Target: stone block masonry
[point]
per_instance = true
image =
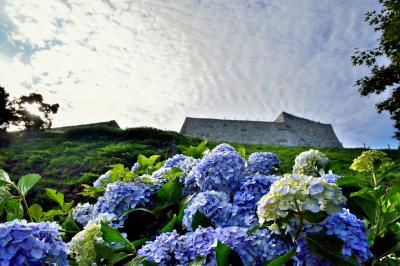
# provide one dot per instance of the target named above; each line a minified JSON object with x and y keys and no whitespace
{"x":287,"y":129}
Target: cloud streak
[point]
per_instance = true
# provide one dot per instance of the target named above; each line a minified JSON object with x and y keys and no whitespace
{"x":154,"y":62}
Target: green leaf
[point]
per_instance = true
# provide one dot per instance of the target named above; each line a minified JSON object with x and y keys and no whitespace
{"x":199,"y":219}
{"x":315,"y":217}
{"x":4,"y":194}
{"x":329,"y":247}
{"x":4,"y":177}
{"x":169,"y":227}
{"x":369,"y":208}
{"x":14,"y":209}
{"x":141,"y":261}
{"x":111,"y":235}
{"x":56,"y":196}
{"x":394,"y":189}
{"x":138,"y":243}
{"x":194,"y":151}
{"x":242,"y":152}
{"x":225,"y":256}
{"x":108,"y":255}
{"x":282,"y":259}
{"x":390,"y":217}
{"x":198,"y":261}
{"x":358,"y":181}
{"x":26,"y":182}
{"x":363,"y":193}
{"x":168,"y":194}
{"x":36,"y":212}
{"x":49,"y":215}
{"x":70,"y":225}
{"x":183,"y":206}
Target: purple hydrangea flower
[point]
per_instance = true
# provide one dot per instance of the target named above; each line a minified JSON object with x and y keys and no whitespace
{"x":122,"y":196}
{"x":252,"y":189}
{"x":331,"y":178}
{"x":264,"y":163}
{"x":23,"y":243}
{"x":221,"y":171}
{"x":345,"y":226}
{"x":223,"y":148}
{"x":215,"y":205}
{"x":135,"y":166}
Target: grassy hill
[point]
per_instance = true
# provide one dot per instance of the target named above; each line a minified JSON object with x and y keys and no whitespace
{"x":66,"y":159}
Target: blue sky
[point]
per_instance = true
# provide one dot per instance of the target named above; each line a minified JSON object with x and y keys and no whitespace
{"x":153,"y":62}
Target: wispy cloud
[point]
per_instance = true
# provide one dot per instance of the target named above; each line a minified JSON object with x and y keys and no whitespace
{"x":154,"y":62}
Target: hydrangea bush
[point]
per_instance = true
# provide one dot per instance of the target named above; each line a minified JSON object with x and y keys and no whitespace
{"x":212,"y":205}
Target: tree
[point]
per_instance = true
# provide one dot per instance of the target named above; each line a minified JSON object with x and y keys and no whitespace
{"x":384,"y":76}
{"x":15,"y":112}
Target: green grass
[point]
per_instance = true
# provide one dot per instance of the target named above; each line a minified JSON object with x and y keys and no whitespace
{"x":80,"y":155}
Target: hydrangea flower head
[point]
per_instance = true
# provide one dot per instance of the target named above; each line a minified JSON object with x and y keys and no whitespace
{"x":223,"y":148}
{"x":220,"y":171}
{"x":81,"y":246}
{"x":135,"y":166}
{"x":213,"y":204}
{"x":311,"y":162}
{"x":122,"y":196}
{"x":82,"y":213}
{"x":245,"y":199}
{"x":331,"y":178}
{"x":343,"y":225}
{"x":299,"y":193}
{"x":369,"y":160}
{"x":264,"y":163}
{"x":161,"y":250}
{"x":102,"y":180}
{"x":23,"y":243}
{"x":185,"y":163}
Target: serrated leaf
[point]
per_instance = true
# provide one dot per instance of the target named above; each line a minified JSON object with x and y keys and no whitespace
{"x":198,"y":261}
{"x":36,"y":212}
{"x":138,"y":243}
{"x":199,"y":219}
{"x":111,"y":235}
{"x":368,"y":206}
{"x":329,"y":247}
{"x":49,"y":215}
{"x":168,"y":194}
{"x":108,"y":255}
{"x":358,"y":181}
{"x":242,"y":152}
{"x":70,"y":225}
{"x":56,"y":196}
{"x":225,"y":256}
{"x":4,"y":194}
{"x":282,"y":259}
{"x":14,"y":209}
{"x":26,"y":182}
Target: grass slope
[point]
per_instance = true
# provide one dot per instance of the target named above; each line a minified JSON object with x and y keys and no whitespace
{"x":79,"y":155}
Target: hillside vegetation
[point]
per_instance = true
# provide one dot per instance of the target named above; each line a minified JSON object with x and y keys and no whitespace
{"x":66,"y":159}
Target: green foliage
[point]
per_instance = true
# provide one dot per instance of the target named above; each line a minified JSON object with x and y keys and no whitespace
{"x":194,"y":151}
{"x":198,"y":261}
{"x":384,"y":76}
{"x":199,"y":219}
{"x":281,"y":260}
{"x":377,"y":200}
{"x":168,"y":194}
{"x":61,"y":212}
{"x":225,"y":256}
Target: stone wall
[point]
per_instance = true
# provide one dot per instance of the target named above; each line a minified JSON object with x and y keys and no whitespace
{"x":285,"y":130}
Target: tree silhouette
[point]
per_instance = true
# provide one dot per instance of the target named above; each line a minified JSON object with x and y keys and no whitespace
{"x":15,"y":112}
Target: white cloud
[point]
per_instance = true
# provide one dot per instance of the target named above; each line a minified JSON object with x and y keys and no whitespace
{"x":153,"y":62}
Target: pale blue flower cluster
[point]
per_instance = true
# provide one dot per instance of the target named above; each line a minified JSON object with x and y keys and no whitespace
{"x":172,"y":249}
{"x":213,"y":204}
{"x":222,"y":169}
{"x":82,"y":213}
{"x":135,"y":166}
{"x":185,"y":163}
{"x":331,"y":178}
{"x":251,"y":190}
{"x":23,"y":243}
{"x":343,"y":225}
{"x":122,"y":196}
{"x":102,"y":180}
{"x":264,"y":163}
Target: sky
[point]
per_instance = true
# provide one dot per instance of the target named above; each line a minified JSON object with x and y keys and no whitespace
{"x":154,"y":62}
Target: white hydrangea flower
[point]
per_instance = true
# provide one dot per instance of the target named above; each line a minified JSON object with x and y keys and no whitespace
{"x":311,"y":162}
{"x":299,"y":193}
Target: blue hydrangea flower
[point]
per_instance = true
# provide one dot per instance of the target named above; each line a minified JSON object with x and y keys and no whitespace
{"x":23,"y":243}
{"x":252,"y":189}
{"x":122,"y":196}
{"x":345,"y":226}
{"x":215,"y":205}
{"x":161,"y":250}
{"x":185,"y":163}
{"x":82,"y":213}
{"x":221,"y":171}
{"x":102,"y":180}
{"x":223,"y":148}
{"x":135,"y":166}
{"x":331,"y":178}
{"x":264,"y":163}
